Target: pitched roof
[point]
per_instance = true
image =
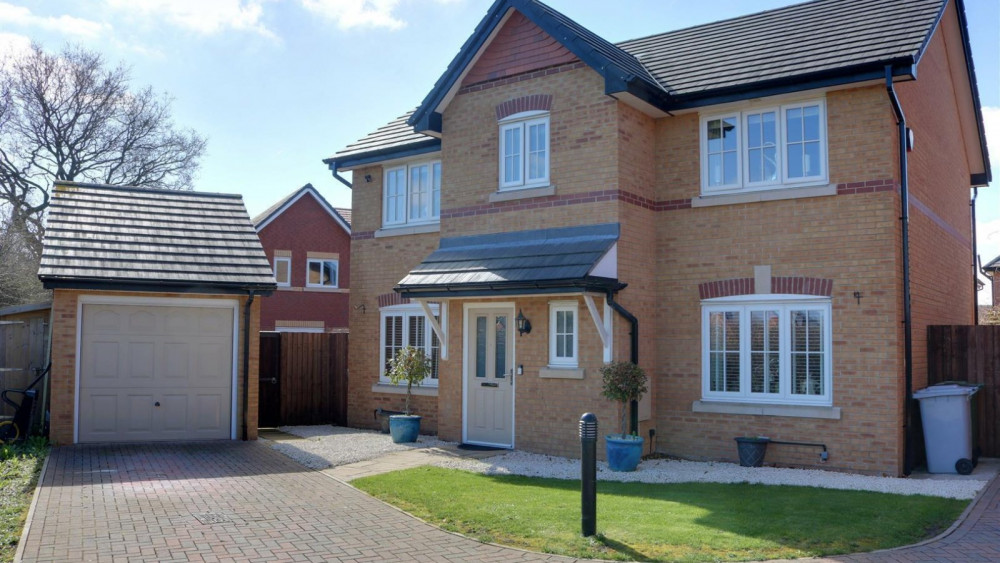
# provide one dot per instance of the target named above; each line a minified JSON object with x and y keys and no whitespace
{"x":993,"y":264}
{"x":390,"y":138}
{"x":120,"y":237}
{"x":804,"y":40}
{"x":279,"y":207}
{"x":535,"y":261}
{"x":344,"y":212}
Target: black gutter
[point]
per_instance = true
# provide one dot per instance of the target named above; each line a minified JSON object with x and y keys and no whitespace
{"x":341,"y":179}
{"x":904,"y":198}
{"x":634,"y":356}
{"x":416,"y":148}
{"x":158,"y":286}
{"x":573,"y":285}
{"x":246,"y":362}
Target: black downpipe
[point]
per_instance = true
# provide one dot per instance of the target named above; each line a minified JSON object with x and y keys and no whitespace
{"x":246,"y":361}
{"x":975,"y":261}
{"x":634,"y":357}
{"x":904,"y":197}
{"x":336,"y":174}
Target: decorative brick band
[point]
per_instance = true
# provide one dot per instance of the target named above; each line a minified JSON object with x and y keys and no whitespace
{"x":726,"y":288}
{"x":362,"y":235}
{"x":390,"y":299}
{"x":870,"y":186}
{"x":746,"y":286}
{"x":534,"y":102}
{"x":521,"y":77}
{"x":802,"y":286}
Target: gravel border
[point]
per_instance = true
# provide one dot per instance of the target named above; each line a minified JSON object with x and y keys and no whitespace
{"x":332,"y":446}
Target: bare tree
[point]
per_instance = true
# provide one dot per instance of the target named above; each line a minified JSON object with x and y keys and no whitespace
{"x":68,"y":116}
{"x":19,"y":283}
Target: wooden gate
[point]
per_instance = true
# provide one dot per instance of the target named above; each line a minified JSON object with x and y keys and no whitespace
{"x":303,"y":379}
{"x":23,"y":348}
{"x":970,"y":353}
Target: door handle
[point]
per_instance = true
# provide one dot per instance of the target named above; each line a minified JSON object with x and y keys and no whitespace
{"x":269,"y":379}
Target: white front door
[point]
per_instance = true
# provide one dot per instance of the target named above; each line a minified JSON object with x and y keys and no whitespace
{"x":489,"y":377}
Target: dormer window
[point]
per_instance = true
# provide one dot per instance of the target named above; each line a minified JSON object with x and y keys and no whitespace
{"x":524,"y":150}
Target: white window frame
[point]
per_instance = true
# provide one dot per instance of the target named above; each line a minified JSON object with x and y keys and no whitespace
{"x":278,"y":260}
{"x":555,"y":307}
{"x":743,"y":183}
{"x":521,"y":122}
{"x":407,"y":311}
{"x":784,"y":304}
{"x":309,"y":262}
{"x":434,"y":175}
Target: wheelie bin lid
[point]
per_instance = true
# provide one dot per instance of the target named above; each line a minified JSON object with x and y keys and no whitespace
{"x":948,"y":388}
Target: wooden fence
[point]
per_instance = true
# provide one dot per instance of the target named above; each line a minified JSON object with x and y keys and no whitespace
{"x":970,"y":353}
{"x":23,"y":348}
{"x":303,"y":379}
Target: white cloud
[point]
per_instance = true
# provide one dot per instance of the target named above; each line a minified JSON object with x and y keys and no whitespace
{"x":357,"y":13}
{"x":67,"y":25}
{"x":207,"y":17}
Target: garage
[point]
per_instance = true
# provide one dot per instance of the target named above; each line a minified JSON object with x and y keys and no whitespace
{"x":155,"y":314}
{"x":162,"y":371}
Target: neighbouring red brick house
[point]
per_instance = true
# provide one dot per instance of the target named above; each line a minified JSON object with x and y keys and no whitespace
{"x":308,"y":243}
{"x":720,"y":204}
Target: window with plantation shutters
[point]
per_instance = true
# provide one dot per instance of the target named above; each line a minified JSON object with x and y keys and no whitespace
{"x":772,"y":350}
{"x":406,"y":325}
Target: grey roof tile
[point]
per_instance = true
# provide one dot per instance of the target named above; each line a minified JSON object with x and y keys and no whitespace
{"x":127,"y":235}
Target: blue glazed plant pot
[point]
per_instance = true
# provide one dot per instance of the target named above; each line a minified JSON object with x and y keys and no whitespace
{"x":404,"y":428}
{"x":623,"y":453}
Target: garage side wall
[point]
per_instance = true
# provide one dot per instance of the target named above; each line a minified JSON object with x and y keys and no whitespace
{"x":65,"y":306}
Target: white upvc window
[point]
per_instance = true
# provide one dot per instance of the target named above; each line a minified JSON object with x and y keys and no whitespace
{"x":283,"y":271}
{"x":322,"y":273}
{"x":776,"y":350}
{"x":524,"y":151}
{"x":764,"y":148}
{"x":564,"y":334}
{"x":412,"y":194}
{"x":406,"y":325}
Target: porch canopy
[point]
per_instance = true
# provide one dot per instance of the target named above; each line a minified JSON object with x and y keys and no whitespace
{"x":579,"y":259}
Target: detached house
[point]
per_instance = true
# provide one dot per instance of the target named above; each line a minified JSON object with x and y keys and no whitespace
{"x":721,"y":204}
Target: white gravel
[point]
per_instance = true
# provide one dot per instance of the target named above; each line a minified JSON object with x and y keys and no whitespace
{"x":331,"y":446}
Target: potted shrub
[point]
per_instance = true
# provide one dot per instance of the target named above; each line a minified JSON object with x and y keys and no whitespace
{"x":623,"y":382}
{"x":412,"y":366}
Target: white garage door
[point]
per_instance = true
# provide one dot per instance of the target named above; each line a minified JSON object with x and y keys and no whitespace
{"x":155,"y":373}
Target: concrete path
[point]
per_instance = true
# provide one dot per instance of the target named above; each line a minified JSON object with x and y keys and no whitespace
{"x":233,"y":501}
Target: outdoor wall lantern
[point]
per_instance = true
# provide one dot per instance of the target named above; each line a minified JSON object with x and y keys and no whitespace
{"x":523,"y":324}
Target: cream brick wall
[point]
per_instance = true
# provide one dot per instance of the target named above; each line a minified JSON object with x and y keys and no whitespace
{"x":63,"y":374}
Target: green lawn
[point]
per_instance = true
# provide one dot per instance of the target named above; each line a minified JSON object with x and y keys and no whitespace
{"x":665,"y":522}
{"x":19,"y":469}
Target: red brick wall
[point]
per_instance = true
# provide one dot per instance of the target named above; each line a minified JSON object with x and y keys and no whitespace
{"x":62,"y":376}
{"x":520,"y":46}
{"x":307,"y":227}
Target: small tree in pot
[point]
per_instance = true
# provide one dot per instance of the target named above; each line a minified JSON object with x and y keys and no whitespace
{"x":410,"y":365}
{"x":623,"y":382}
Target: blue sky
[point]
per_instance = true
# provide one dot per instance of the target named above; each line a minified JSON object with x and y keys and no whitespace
{"x":278,"y":85}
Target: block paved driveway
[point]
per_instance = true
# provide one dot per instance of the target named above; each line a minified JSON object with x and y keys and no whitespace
{"x":222,"y":501}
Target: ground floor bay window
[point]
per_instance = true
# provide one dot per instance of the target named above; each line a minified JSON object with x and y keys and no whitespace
{"x":775,"y":350}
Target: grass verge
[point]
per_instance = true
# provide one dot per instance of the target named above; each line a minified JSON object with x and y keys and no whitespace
{"x":20,"y":466}
{"x":664,"y":522}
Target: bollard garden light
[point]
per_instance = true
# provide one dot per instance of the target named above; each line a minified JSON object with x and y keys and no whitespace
{"x":588,"y":474}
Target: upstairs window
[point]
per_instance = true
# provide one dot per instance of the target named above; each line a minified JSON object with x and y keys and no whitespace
{"x":524,"y":151}
{"x":321,"y":273}
{"x":764,"y":148}
{"x":412,"y":194}
{"x":283,"y":271}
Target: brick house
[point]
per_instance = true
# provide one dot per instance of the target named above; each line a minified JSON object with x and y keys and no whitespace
{"x":308,"y":243}
{"x":724,"y":210}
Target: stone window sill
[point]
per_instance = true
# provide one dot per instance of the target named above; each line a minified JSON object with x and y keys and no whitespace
{"x":560,"y":373}
{"x":776,"y":194}
{"x":416,"y":390}
{"x":793,"y":411}
{"x":413,"y":230}
{"x":523,"y":193}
